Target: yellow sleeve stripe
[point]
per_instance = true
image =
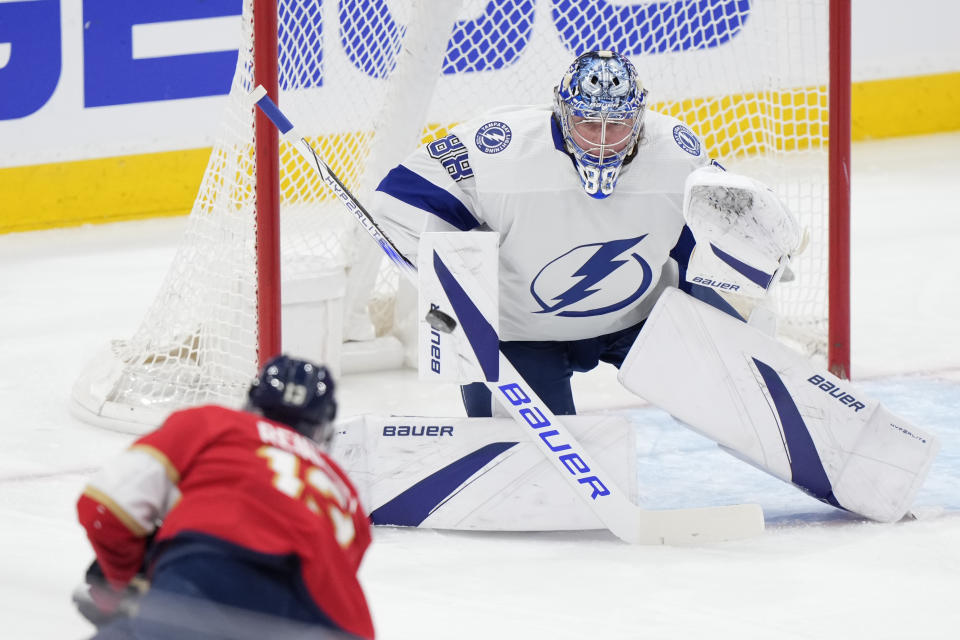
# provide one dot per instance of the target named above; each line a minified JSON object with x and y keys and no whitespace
{"x":128,"y":521}
{"x":172,"y":474}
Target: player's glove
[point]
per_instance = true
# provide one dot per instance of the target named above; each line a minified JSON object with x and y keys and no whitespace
{"x":100,"y":603}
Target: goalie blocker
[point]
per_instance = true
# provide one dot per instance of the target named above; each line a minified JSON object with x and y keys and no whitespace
{"x":767,"y":405}
{"x":443,"y":354}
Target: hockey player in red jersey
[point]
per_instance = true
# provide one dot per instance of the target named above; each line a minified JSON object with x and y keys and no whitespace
{"x":255,"y":532}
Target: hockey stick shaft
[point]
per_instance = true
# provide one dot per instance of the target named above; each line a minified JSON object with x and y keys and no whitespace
{"x":362,"y":216}
{"x":611,"y":505}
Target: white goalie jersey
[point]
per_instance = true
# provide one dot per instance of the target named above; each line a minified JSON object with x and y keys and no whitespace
{"x":571,"y":266}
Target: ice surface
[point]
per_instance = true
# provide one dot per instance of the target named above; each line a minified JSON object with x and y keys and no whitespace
{"x":816,"y":573}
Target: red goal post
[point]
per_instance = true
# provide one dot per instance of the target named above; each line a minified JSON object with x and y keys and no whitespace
{"x":838,"y":282}
{"x":269,"y":262}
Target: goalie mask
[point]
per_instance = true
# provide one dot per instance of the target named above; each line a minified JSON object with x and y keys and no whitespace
{"x":599,"y":105}
{"x":297,"y":393}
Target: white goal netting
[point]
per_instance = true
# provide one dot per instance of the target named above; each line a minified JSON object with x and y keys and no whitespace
{"x":367,"y":80}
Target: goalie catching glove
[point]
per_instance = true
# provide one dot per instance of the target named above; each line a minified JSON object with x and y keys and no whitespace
{"x":744,"y":234}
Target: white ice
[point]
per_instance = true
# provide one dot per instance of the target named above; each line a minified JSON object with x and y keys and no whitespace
{"x":815,"y":573}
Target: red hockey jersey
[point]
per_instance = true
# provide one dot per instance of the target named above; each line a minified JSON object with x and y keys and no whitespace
{"x":246,"y":480}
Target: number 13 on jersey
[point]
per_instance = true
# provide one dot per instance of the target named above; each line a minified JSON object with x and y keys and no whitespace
{"x":313,"y":486}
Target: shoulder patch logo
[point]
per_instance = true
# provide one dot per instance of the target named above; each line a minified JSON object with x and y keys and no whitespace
{"x":686,"y":140}
{"x":493,"y":137}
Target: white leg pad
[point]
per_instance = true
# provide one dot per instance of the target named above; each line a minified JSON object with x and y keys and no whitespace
{"x":768,"y":405}
{"x":475,"y":473}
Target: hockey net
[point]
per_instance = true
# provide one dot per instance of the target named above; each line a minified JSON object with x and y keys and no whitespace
{"x":368,"y":80}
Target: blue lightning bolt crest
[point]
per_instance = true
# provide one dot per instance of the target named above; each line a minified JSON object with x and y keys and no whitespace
{"x":609,"y":277}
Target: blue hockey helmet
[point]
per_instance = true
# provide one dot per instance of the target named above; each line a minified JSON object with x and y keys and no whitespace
{"x":297,"y":393}
{"x":600,"y":104}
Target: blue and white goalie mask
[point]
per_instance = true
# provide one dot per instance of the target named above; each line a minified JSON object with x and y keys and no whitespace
{"x":600,"y":105}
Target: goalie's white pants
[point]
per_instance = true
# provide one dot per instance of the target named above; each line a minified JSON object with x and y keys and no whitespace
{"x":769,"y":406}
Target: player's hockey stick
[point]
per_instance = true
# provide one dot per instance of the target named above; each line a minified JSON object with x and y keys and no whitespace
{"x":611,"y":505}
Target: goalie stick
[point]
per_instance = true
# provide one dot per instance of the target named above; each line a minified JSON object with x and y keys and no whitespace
{"x":611,"y":505}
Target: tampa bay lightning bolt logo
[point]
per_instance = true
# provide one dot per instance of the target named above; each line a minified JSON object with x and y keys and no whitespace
{"x":493,"y":137}
{"x":686,"y":140}
{"x":593,"y":279}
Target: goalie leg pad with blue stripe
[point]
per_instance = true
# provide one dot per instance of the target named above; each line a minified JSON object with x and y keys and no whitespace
{"x":475,"y":473}
{"x":768,"y":405}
